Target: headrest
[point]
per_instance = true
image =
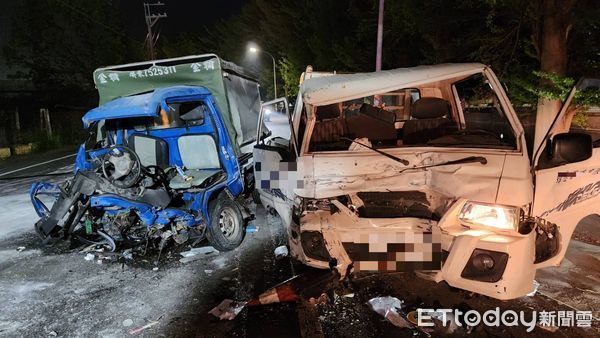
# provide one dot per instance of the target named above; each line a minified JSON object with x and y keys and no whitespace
{"x":378,"y":113}
{"x":430,"y":108}
{"x":330,"y":111}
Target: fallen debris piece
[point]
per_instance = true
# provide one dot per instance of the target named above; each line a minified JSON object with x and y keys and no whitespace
{"x":349,"y":295}
{"x":197,"y":253}
{"x":448,"y":321}
{"x":389,"y":308}
{"x":220,"y":262}
{"x":304,"y":285}
{"x":142,"y":328}
{"x":155,"y":268}
{"x":127,"y":322}
{"x":281,"y":251}
{"x":205,"y":250}
{"x":88,"y":248}
{"x":89,"y":257}
{"x":20,"y":248}
{"x":536,"y":285}
{"x":128,"y":254}
{"x":228,"y":309}
{"x":208,"y":272}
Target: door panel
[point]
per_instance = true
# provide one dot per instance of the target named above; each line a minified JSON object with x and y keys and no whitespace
{"x":275,"y":158}
{"x":566,"y":194}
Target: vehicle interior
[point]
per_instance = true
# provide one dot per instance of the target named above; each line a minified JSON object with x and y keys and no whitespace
{"x":429,"y":115}
{"x":183,"y":159}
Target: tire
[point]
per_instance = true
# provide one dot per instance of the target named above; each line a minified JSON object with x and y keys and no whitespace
{"x":226,"y":230}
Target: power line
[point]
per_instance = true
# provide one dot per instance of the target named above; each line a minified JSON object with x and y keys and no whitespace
{"x":91,"y":19}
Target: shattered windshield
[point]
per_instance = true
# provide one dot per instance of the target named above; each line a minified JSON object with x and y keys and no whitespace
{"x":417,"y":117}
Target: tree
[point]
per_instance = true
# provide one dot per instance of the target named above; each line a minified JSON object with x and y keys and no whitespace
{"x":556,"y":18}
{"x":61,"y":42}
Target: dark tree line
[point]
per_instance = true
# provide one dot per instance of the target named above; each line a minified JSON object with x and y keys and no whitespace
{"x":516,"y":37}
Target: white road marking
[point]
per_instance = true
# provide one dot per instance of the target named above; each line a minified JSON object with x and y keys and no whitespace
{"x":37,"y":164}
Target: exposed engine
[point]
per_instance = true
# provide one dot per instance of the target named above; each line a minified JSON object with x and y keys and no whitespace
{"x":120,"y":201}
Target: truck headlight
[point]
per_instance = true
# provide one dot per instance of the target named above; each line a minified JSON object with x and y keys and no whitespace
{"x":492,"y":215}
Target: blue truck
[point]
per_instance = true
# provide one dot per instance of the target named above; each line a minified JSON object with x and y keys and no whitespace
{"x":168,"y":158}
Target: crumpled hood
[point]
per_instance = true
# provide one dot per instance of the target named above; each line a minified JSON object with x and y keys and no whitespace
{"x":341,"y":173}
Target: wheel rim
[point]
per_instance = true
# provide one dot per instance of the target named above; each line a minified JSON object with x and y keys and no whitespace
{"x":228,"y":223}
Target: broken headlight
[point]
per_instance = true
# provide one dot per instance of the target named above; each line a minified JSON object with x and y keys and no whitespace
{"x":501,"y":217}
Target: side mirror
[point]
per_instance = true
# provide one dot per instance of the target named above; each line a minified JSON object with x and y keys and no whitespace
{"x":570,"y":148}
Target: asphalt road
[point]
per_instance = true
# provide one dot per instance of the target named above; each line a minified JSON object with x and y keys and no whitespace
{"x":55,"y":291}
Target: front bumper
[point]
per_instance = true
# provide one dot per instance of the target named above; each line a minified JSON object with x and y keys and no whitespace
{"x":449,"y":252}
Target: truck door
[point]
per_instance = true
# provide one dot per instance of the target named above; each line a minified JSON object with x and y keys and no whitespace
{"x":567,"y":176}
{"x":275,"y":158}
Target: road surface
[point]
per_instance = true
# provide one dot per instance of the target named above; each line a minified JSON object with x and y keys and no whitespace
{"x":53,"y":290}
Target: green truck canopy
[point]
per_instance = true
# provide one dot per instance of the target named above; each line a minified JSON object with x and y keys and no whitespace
{"x":236,"y":94}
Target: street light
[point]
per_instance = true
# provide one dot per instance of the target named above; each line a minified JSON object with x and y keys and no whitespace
{"x":254,"y":50}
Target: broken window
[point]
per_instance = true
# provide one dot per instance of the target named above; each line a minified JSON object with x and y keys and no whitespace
{"x":483,"y":115}
{"x":587,"y":120}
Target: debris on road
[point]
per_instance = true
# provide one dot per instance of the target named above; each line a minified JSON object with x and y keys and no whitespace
{"x":281,"y":251}
{"x":197,"y":253}
{"x":128,"y":254}
{"x":89,"y":257}
{"x":227,"y":309}
{"x":389,"y":308}
{"x":306,"y":285}
{"x":20,"y":248}
{"x":141,"y":329}
{"x":205,"y":250}
{"x":536,"y":285}
{"x":127,"y":322}
{"x":251,"y":228}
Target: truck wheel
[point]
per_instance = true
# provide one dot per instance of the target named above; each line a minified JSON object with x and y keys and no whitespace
{"x":226,"y":229}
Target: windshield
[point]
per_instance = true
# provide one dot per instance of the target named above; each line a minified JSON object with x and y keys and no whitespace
{"x":417,"y":117}
{"x":178,"y":115}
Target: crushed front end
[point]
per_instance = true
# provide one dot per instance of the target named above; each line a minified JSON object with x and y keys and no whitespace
{"x":493,"y":252}
{"x":91,"y":209}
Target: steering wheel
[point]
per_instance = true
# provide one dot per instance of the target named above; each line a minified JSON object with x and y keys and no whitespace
{"x":121,"y":166}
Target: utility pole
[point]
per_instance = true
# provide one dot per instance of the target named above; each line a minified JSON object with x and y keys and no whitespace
{"x":151,"y":20}
{"x":379,"y":36}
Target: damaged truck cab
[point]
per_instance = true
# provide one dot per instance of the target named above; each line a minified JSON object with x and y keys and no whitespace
{"x":167,"y":158}
{"x":427,"y":169}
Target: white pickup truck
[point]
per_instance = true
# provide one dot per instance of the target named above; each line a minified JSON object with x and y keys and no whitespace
{"x":427,"y":169}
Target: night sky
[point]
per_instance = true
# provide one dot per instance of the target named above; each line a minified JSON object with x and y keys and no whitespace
{"x":183,"y":16}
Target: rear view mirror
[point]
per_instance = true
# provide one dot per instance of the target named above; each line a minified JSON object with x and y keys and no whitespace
{"x":570,"y":148}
